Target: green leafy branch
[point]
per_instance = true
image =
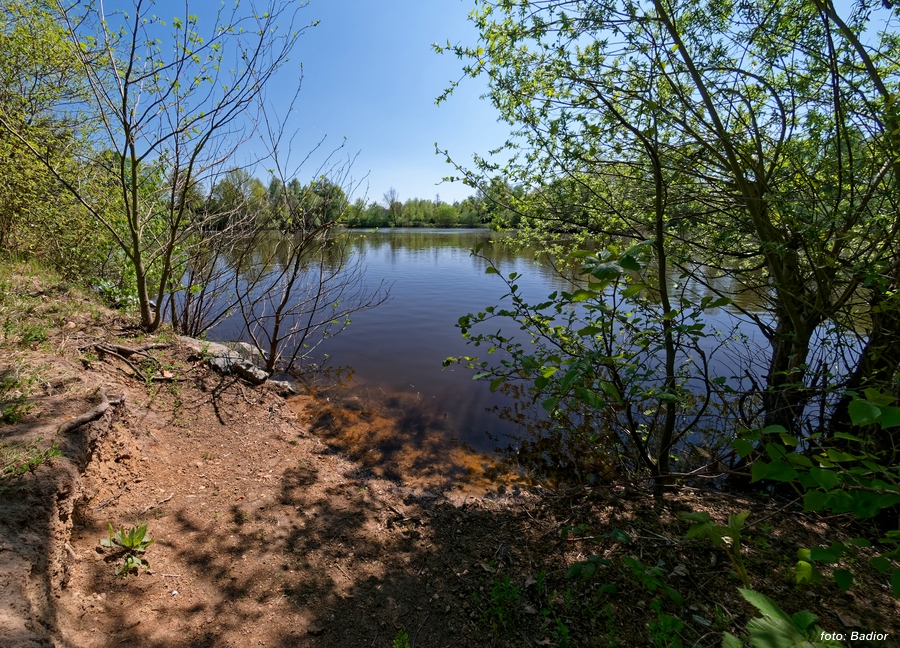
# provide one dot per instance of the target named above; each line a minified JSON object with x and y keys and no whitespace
{"x":838,"y":474}
{"x":726,"y":537}
{"x":775,"y":629}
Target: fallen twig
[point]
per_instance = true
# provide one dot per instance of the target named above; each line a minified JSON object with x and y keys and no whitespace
{"x":771,"y":515}
{"x":162,"y":501}
{"x":129,"y":351}
{"x":108,"y":500}
{"x":106,"y":350}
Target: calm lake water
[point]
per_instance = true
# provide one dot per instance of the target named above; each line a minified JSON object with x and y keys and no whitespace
{"x":396,"y":350}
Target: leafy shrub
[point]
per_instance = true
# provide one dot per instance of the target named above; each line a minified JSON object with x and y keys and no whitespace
{"x":777,"y":630}
{"x":717,"y":534}
{"x":840,"y":474}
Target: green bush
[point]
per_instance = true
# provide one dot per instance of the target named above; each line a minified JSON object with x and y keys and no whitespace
{"x":838,"y":474}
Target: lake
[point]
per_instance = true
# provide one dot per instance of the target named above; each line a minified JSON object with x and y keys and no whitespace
{"x":394,"y":352}
{"x":396,"y":349}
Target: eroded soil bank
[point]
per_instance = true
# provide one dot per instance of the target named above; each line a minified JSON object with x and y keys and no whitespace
{"x":312,"y":522}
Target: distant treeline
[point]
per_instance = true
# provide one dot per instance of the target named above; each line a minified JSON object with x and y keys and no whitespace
{"x":474,"y":211}
{"x":238,"y":195}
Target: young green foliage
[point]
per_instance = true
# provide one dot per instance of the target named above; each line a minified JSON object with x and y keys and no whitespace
{"x":775,"y":629}
{"x":726,"y":537}
{"x":129,"y":544}
{"x":17,"y":460}
{"x":842,"y":474}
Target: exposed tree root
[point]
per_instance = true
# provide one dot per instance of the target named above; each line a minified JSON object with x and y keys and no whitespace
{"x":92,"y":414}
{"x":123,"y":353}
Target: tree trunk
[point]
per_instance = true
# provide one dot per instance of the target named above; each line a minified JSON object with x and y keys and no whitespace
{"x":786,"y":394}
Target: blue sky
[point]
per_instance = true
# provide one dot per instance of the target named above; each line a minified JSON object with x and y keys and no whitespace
{"x":371,"y":75}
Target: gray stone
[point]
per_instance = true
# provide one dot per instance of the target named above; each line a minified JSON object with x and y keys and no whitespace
{"x":283,"y":387}
{"x":225,"y":363}
{"x":230,"y":359}
{"x":250,"y":372}
{"x":204,"y":347}
{"x":248,"y":352}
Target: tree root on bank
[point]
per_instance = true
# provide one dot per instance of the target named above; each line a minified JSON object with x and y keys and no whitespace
{"x":123,"y":353}
{"x":129,"y":351}
{"x":92,"y":414}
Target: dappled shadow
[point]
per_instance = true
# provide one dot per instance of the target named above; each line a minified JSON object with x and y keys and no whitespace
{"x":36,"y":512}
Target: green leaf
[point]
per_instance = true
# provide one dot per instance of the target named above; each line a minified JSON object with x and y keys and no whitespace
{"x":491,"y":270}
{"x":843,"y":578}
{"x":742,"y":447}
{"x":804,"y":620}
{"x":630,"y":263}
{"x":581,"y":295}
{"x":863,"y":412}
{"x":890,"y":416}
{"x":698,"y":516}
{"x":837,"y":456}
{"x":610,"y":390}
{"x":730,"y":641}
{"x":881,"y":564}
{"x":605,"y":271}
{"x":736,"y":521}
{"x":633,"y":290}
{"x":588,"y":570}
{"x":673,"y":594}
{"x":815,"y":500}
{"x":758,"y":471}
{"x":805,"y":572}
{"x":848,"y":437}
{"x":799,"y":460}
{"x":620,"y":536}
{"x":825,"y":478}
{"x":764,"y":604}
{"x":876,"y":397}
{"x":780,"y":471}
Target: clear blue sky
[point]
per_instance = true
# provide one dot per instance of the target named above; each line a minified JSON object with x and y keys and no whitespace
{"x":371,"y":75}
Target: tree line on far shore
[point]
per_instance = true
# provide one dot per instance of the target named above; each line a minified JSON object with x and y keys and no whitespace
{"x":239,"y":195}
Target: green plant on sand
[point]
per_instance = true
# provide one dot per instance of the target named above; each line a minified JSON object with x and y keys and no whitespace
{"x":131,"y":543}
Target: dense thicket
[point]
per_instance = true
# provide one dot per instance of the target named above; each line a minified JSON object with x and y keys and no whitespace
{"x":699,"y":156}
{"x":721,"y":153}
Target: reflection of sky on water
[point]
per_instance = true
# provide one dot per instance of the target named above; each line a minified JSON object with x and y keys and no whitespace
{"x":398,"y":347}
